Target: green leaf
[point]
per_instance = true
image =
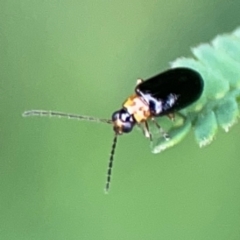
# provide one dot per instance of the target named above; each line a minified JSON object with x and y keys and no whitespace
{"x":219,"y":65}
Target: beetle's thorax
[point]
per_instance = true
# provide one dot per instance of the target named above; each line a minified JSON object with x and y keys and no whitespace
{"x":137,"y":107}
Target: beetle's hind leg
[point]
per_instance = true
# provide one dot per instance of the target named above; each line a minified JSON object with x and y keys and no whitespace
{"x":161,"y":130}
{"x":181,"y":115}
{"x":171,"y":116}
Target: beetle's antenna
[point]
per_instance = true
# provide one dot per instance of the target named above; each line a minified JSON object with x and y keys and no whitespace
{"x":46,"y":113}
{"x":110,"y":164}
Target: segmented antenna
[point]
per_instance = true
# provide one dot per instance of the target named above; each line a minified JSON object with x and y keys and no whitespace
{"x":110,"y":164}
{"x":46,"y":113}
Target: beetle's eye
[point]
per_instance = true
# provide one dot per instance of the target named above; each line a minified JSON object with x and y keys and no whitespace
{"x":124,"y":122}
{"x":115,"y":116}
{"x":127,"y":127}
{"x":121,"y":115}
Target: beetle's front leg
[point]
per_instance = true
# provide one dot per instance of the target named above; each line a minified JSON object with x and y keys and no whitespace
{"x":146,"y":131}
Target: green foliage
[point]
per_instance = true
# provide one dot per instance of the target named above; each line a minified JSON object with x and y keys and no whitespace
{"x":219,"y":65}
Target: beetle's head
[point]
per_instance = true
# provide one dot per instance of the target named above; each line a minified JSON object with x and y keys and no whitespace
{"x":123,"y":121}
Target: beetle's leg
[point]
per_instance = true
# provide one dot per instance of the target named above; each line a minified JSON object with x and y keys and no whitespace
{"x":164,"y":134}
{"x":146,"y":131}
{"x":181,"y":115}
{"x":139,"y":81}
{"x":171,"y":116}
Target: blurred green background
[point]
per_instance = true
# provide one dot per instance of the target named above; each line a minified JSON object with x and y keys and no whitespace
{"x":84,"y":57}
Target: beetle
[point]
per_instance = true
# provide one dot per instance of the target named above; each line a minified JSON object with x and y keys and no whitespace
{"x":161,"y":95}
